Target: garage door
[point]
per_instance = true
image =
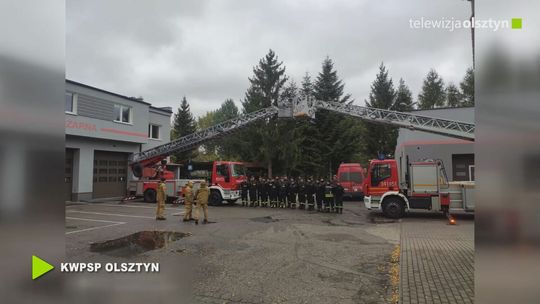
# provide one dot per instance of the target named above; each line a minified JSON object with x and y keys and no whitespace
{"x":110,"y":174}
{"x":68,"y":175}
{"x":463,"y":167}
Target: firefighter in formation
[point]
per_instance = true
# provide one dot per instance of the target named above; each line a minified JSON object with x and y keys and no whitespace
{"x":282,"y":192}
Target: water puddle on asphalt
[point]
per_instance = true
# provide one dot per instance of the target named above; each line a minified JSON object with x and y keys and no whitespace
{"x":137,"y":243}
{"x":264,"y":219}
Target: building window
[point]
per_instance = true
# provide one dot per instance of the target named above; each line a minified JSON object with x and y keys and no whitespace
{"x":70,"y":106}
{"x":153,"y":131}
{"x":122,"y":113}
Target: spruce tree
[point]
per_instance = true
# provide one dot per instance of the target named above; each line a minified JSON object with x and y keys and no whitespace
{"x":467,"y":88}
{"x":307,"y":87}
{"x":184,"y":124}
{"x":328,"y":87}
{"x":433,"y":92}
{"x":260,"y":141}
{"x":404,"y":100}
{"x":378,"y":138}
{"x":267,"y":82}
{"x":453,"y":96}
{"x":338,"y":135}
{"x":308,"y":159}
{"x":289,"y":147}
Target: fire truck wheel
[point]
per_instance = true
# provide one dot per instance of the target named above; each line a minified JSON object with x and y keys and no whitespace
{"x":393,"y":207}
{"x":215,"y":198}
{"x":150,"y":196}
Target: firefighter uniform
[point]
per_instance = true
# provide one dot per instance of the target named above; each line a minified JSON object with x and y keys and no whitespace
{"x":278,"y":193}
{"x":202,"y":202}
{"x":338,"y":191}
{"x":310,"y":192}
{"x":301,"y":194}
{"x":285,"y":192}
{"x":188,"y":201}
{"x":252,"y":192}
{"x":273,"y":193}
{"x":319,"y":195}
{"x":291,"y":198}
{"x":244,"y":187}
{"x":161,"y":197}
{"x":260,"y":190}
{"x":282,"y":193}
{"x":328,"y":198}
{"x":265,"y":193}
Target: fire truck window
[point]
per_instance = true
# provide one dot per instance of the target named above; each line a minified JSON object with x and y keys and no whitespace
{"x":356,"y":177}
{"x":222,"y":170}
{"x":238,"y":170}
{"x":344,"y":177}
{"x":379,"y":173}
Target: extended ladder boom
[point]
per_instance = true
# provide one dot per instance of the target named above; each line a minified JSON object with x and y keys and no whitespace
{"x":308,"y":107}
{"x":447,"y":127}
{"x":193,"y":140}
{"x":408,"y":120}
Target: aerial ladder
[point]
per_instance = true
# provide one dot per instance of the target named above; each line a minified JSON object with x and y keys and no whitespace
{"x":301,"y":107}
{"x":148,"y":158}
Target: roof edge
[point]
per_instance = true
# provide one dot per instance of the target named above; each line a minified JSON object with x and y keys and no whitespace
{"x":107,"y":92}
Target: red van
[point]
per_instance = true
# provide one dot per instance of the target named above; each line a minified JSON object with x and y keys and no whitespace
{"x":351,"y":177}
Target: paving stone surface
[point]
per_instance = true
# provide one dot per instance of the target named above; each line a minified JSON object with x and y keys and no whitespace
{"x":437,"y":260}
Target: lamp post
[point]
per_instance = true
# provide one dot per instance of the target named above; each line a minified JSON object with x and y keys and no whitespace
{"x":472,"y":30}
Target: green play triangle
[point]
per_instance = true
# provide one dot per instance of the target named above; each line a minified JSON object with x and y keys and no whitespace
{"x":40,"y":267}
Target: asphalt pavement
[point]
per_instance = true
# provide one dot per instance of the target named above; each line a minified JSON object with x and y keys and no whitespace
{"x":250,"y":254}
{"x":264,"y":255}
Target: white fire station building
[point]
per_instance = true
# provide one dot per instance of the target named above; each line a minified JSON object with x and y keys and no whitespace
{"x":102,"y":129}
{"x":457,"y":155}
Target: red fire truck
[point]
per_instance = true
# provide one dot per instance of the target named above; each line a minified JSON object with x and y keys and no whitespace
{"x":351,"y":176}
{"x":224,"y":178}
{"x":416,"y":185}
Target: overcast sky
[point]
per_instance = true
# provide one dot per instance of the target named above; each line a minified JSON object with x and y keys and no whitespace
{"x":206,"y":49}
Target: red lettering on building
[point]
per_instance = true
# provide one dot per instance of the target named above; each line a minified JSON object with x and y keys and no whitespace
{"x":72,"y":124}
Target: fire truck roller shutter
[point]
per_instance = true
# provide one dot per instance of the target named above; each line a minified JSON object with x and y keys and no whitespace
{"x":110,"y":174}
